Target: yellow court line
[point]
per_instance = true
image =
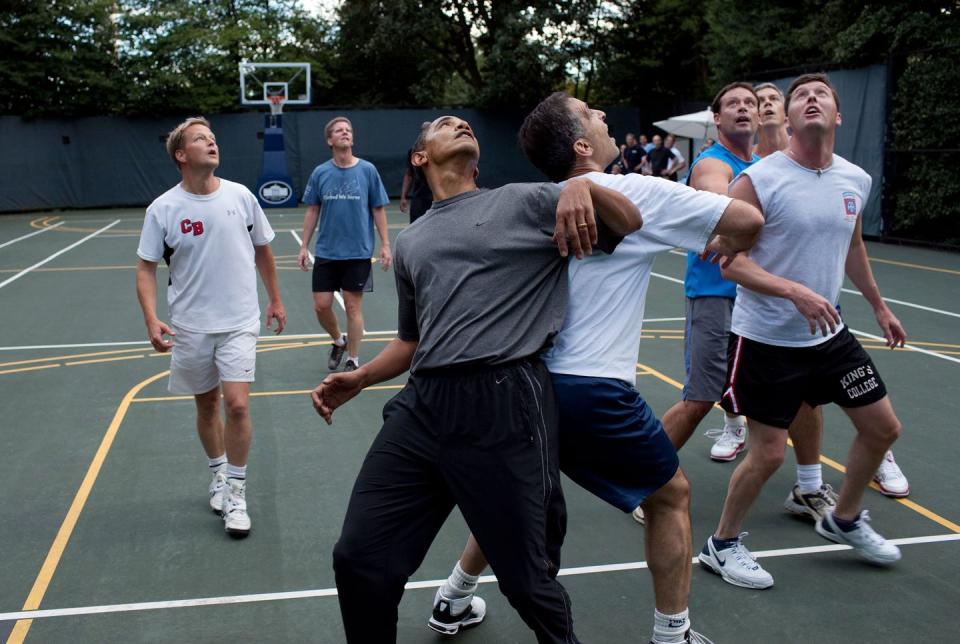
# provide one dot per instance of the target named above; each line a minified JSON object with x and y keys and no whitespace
{"x":45,"y":366}
{"x":45,"y":576}
{"x":919,"y":509}
{"x":98,"y":360}
{"x":919,"y":266}
{"x":75,"y":355}
{"x":260,"y":394}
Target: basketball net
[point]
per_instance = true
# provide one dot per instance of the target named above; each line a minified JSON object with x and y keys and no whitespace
{"x":276,"y":104}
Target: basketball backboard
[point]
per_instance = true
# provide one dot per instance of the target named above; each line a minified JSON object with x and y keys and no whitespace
{"x":260,"y":81}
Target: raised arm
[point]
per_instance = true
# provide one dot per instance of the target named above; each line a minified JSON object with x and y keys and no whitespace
{"x":309,"y":225}
{"x":579,"y":200}
{"x":859,"y":271}
{"x":739,"y":225}
{"x":263,"y":258}
{"x":147,"y":294}
{"x":712,"y":175}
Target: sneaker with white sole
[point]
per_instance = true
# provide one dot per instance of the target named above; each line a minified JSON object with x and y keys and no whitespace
{"x":691,"y":637}
{"x":735,"y":564}
{"x":217,"y":486}
{"x":450,"y":615}
{"x":890,"y":478}
{"x":236,"y":521}
{"x":864,"y":539}
{"x":638,"y":515}
{"x":811,"y":504}
{"x":728,"y":442}
{"x":336,"y":354}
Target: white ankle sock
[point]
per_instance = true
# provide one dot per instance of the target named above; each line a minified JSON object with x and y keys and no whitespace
{"x":733,"y":422}
{"x":236,"y":471}
{"x":354,"y":359}
{"x":809,"y":477}
{"x":217,"y":462}
{"x":459,"y":584}
{"x":341,"y":341}
{"x":670,"y":629}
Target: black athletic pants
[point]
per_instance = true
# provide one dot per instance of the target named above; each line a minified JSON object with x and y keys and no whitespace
{"x":484,"y":439}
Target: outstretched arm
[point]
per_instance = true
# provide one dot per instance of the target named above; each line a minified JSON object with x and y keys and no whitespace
{"x":740,"y":224}
{"x":337,"y":388}
{"x":859,"y":272}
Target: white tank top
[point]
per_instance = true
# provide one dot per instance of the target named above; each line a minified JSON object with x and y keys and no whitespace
{"x":809,"y":217}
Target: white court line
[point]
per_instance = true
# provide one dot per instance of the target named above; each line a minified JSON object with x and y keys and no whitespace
{"x":301,"y":336}
{"x":433,"y":583}
{"x":910,"y":304}
{"x":57,"y":254}
{"x":907,"y":346}
{"x":336,"y":294}
{"x":36,"y":232}
{"x":668,"y":278}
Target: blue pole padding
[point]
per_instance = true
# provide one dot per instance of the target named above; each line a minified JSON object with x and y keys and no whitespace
{"x":274,"y":187}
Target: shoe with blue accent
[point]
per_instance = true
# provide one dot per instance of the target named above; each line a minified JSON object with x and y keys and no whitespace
{"x":450,"y":615}
{"x":735,"y":564}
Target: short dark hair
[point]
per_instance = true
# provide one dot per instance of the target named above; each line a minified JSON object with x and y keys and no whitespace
{"x":715,"y":105}
{"x":548,"y":134}
{"x":328,"y":128}
{"x":811,"y":78}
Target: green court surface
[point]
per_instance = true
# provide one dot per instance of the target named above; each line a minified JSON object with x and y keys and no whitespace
{"x":106,"y":535}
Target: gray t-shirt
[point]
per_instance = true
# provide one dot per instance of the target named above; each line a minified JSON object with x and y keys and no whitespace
{"x":479,"y":279}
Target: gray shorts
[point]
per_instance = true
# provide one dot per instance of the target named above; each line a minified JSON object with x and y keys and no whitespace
{"x":705,"y":347}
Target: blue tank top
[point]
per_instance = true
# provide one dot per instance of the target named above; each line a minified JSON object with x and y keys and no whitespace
{"x":703,"y":279}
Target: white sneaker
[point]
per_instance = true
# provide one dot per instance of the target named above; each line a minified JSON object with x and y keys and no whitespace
{"x":638,"y":515}
{"x":890,"y":478}
{"x":236,"y":521}
{"x":729,"y":442}
{"x":217,"y":486}
{"x":864,"y":539}
{"x":735,"y":564}
{"x":450,"y":615}
{"x":811,"y":504}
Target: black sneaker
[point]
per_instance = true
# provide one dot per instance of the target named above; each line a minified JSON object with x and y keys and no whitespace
{"x":450,"y":615}
{"x":351,"y":365}
{"x":336,"y":355}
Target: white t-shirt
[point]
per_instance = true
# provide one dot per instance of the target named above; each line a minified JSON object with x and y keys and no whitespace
{"x":809,"y":218}
{"x":208,"y":240}
{"x":601,"y":332}
{"x":677,"y":159}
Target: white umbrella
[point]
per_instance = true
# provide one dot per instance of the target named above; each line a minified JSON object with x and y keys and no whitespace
{"x":698,"y":125}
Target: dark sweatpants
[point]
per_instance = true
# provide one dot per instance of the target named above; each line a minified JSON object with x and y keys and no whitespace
{"x":484,"y":439}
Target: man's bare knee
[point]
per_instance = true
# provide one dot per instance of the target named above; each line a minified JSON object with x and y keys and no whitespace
{"x":674,"y":495}
{"x":237,"y":407}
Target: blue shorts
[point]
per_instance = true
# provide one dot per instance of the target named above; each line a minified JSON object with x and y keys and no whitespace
{"x":610,"y":441}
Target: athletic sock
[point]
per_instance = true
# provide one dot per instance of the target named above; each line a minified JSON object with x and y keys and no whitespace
{"x":354,"y":359}
{"x":732,"y":422}
{"x":845,"y":525}
{"x":459,"y":584}
{"x":236,"y":471}
{"x":215,"y":463}
{"x":809,"y":477}
{"x":720,"y":544}
{"x":341,"y":341}
{"x":670,"y":629}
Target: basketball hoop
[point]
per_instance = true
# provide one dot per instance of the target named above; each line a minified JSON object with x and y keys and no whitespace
{"x":276,"y":104}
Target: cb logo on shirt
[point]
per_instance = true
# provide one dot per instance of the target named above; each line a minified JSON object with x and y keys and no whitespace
{"x":195,"y":227}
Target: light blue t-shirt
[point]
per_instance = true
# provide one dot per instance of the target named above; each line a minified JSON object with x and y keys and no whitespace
{"x":703,"y":279}
{"x":346,"y":197}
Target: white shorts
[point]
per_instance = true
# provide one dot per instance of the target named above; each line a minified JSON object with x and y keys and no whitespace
{"x":201,"y":361}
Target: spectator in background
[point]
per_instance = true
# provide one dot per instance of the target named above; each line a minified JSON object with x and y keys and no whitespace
{"x":415,"y":188}
{"x":677,"y":164}
{"x":645,"y":144}
{"x":706,"y":144}
{"x":660,"y":157}
{"x":633,"y":154}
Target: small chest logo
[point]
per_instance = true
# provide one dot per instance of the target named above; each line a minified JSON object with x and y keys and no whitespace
{"x":188,"y":227}
{"x":850,"y":205}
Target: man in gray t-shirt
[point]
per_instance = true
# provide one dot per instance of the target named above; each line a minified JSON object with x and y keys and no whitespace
{"x":482,"y":291}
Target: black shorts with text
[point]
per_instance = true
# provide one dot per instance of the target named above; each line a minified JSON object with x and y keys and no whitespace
{"x":768,"y":383}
